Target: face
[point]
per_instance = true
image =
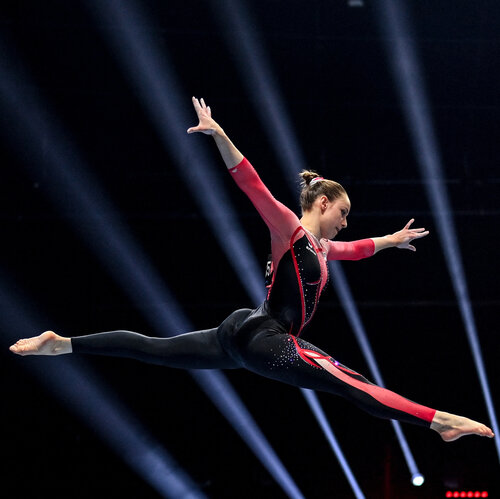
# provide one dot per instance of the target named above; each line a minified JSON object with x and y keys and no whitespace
{"x":334,"y":216}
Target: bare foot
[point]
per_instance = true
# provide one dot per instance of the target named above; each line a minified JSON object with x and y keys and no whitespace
{"x":452,"y":427}
{"x":48,"y":343}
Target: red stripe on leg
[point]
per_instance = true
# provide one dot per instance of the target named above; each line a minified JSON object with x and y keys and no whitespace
{"x":382,"y":395}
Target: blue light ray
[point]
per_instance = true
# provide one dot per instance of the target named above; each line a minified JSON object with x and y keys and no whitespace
{"x":319,"y":414}
{"x":343,"y":290}
{"x":72,"y":382}
{"x":226,"y":399}
{"x":410,"y":85}
{"x":120,"y":255}
{"x":162,"y":97}
{"x":256,"y":74}
{"x":275,"y":118}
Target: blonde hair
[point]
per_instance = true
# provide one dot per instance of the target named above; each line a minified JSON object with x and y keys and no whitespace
{"x":320,"y":187}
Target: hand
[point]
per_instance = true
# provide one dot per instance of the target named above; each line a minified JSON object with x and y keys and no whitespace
{"x":206,"y":125}
{"x":405,"y":236}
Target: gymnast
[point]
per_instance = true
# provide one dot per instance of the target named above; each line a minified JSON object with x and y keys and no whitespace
{"x":267,"y":340}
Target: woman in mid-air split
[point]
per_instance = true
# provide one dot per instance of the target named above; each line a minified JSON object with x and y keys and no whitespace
{"x":267,"y":340}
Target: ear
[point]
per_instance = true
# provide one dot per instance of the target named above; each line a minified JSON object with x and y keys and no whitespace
{"x":323,"y":203}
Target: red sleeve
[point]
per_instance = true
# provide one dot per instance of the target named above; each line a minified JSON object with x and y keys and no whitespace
{"x":354,"y":250}
{"x":281,"y":221}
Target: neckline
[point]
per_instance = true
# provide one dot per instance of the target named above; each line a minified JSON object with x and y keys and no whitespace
{"x":318,"y":241}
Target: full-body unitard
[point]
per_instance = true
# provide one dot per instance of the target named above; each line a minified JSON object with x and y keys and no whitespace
{"x":267,"y":340}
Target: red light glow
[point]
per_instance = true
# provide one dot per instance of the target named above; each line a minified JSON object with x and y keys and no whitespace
{"x":466,"y":493}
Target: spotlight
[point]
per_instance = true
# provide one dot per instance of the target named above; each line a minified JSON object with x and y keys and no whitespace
{"x":341,"y":286}
{"x":417,"y":479}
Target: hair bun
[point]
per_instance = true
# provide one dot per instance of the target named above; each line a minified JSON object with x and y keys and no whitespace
{"x":313,"y":185}
{"x":307,"y":176}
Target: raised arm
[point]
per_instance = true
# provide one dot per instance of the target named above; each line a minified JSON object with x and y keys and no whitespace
{"x":209,"y":126}
{"x":281,"y":221}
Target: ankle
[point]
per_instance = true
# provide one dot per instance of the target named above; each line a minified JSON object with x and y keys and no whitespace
{"x":443,"y":418}
{"x":53,"y":344}
{"x":443,"y":421}
{"x":62,"y":345}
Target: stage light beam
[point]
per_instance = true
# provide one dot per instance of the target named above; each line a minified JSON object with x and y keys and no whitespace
{"x":343,"y":291}
{"x":261,"y":84}
{"x":409,"y":81}
{"x":319,"y":414}
{"x":153,"y":74}
{"x":112,"y":244}
{"x":82,"y":392}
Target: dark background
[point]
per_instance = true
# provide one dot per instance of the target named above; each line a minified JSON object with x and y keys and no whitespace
{"x":331,"y":68}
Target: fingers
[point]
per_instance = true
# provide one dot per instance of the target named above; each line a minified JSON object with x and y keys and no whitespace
{"x":407,"y":226}
{"x":206,"y":131}
{"x":203,"y":111}
{"x":200,"y":104}
{"x":418,"y":232}
{"x":415,"y":233}
{"x":196,"y":104}
{"x":407,"y":246}
{"x":200,"y":107}
{"x":422,"y":233}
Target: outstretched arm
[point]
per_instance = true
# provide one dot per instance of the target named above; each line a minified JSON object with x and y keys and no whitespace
{"x":364,"y":248}
{"x":400,"y":239}
{"x":282,"y":222}
{"x":209,"y":126}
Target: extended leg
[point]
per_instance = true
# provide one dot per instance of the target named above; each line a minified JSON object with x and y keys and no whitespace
{"x":294,"y":361}
{"x":297,"y":362}
{"x":197,"y":350}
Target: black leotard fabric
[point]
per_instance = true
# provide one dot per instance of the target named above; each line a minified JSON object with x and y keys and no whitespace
{"x":266,"y":340}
